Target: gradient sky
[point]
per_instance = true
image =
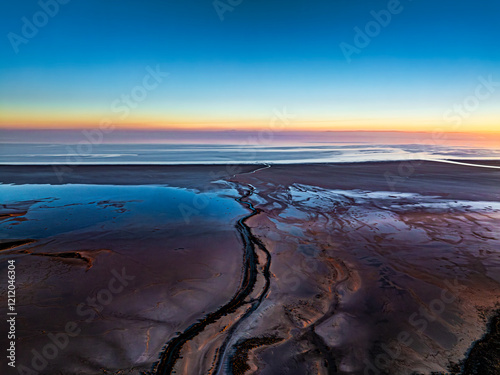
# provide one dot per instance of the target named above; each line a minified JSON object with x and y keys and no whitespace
{"x":264,"y":56}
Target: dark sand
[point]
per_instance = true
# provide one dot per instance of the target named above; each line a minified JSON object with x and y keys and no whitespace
{"x":374,"y":268}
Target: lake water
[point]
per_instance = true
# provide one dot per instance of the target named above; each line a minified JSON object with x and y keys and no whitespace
{"x":230,"y":153}
{"x":49,"y":210}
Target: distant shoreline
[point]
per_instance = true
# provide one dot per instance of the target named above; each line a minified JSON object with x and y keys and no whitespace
{"x":487,"y":161}
{"x":433,"y":178}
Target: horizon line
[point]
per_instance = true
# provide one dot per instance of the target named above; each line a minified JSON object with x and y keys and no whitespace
{"x":246,"y":130}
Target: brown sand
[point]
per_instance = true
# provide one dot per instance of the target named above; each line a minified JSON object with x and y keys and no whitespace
{"x":360,"y":283}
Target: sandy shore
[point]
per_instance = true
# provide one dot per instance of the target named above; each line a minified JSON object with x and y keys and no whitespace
{"x":367,"y":268}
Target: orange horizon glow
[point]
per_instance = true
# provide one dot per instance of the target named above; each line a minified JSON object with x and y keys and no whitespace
{"x":433,"y":134}
{"x":484,"y":125}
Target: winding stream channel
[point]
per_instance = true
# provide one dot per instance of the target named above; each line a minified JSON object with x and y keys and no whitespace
{"x":250,"y":267}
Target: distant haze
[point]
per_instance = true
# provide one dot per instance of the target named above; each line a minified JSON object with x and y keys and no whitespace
{"x":262,"y":137}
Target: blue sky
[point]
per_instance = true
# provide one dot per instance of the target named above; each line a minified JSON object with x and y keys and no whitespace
{"x":262,"y":55}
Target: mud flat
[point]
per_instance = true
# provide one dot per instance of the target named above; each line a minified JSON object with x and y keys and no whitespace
{"x":368,"y":268}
